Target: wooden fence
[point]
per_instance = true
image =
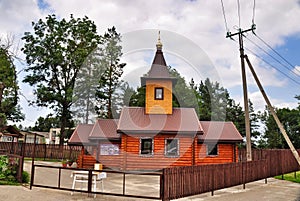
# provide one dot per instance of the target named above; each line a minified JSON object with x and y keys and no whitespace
{"x":46,"y":151}
{"x":185,"y":181}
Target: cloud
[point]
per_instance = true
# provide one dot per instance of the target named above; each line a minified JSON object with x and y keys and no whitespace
{"x":201,"y":22}
{"x":296,"y":70}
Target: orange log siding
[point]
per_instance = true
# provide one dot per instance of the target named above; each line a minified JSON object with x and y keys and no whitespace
{"x":129,"y":157}
{"x":134,"y":161}
{"x":159,"y":106}
{"x":225,"y":154}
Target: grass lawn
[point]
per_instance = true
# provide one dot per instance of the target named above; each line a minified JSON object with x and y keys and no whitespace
{"x":290,"y":177}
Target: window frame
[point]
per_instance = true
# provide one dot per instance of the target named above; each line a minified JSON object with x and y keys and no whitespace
{"x":156,"y":93}
{"x":141,"y":147}
{"x":166,"y":148}
{"x":208,"y":150}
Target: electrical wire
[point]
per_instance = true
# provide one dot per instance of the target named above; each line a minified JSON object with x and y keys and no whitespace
{"x":239,"y":12}
{"x":293,"y":66}
{"x":266,"y":52}
{"x":224,"y":15}
{"x":253,"y":12}
{"x":298,"y":83}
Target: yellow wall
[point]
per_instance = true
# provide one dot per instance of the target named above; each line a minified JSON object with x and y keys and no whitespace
{"x":158,"y":106}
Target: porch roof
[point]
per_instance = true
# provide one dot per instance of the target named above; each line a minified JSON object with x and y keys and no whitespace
{"x":105,"y":129}
{"x":219,"y":131}
{"x":10,"y":131}
{"x":81,"y":134}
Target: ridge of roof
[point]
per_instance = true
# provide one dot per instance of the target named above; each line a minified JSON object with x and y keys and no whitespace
{"x":183,"y":121}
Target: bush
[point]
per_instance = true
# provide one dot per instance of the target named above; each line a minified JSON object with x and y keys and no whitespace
{"x":25,"y":177}
{"x":8,"y":169}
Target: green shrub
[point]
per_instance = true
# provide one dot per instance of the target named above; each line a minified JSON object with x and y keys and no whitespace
{"x":8,"y":169}
{"x":25,"y":177}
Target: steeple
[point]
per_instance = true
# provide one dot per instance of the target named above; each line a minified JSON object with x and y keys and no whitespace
{"x":159,"y":44}
{"x":158,"y":84}
{"x":159,"y":68}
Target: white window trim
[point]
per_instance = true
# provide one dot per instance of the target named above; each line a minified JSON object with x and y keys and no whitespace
{"x":178,"y":148}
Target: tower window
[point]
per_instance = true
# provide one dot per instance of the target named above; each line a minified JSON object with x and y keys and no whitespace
{"x":159,"y":93}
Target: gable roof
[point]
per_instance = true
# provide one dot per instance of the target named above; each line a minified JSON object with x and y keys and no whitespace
{"x":81,"y":134}
{"x":133,"y":120}
{"x":219,"y":131}
{"x":105,"y":129}
{"x":10,"y":131}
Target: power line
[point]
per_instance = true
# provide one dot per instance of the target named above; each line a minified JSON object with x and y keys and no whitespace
{"x":223,"y":9}
{"x":239,"y":12}
{"x":293,"y":66}
{"x":272,"y":56}
{"x":273,"y":66}
{"x":253,"y":12}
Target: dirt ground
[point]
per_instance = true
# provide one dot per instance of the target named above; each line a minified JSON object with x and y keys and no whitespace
{"x":274,"y":190}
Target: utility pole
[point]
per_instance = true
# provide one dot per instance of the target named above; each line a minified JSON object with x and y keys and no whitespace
{"x":279,"y":124}
{"x":245,"y":91}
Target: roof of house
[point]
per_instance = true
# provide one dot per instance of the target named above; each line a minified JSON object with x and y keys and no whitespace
{"x":105,"y":129}
{"x":134,"y":121}
{"x":81,"y":134}
{"x":37,"y":133}
{"x":10,"y":131}
{"x":219,"y":131}
{"x":183,"y":120}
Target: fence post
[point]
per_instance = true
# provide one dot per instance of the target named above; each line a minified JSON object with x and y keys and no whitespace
{"x":32,"y":176}
{"x":213,"y":182}
{"x":166,"y":187}
{"x":45,"y":152}
{"x":124,"y":185}
{"x":161,"y":186}
{"x":90,"y":177}
{"x":243,"y":175}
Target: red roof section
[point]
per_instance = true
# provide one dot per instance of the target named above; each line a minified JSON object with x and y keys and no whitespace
{"x":81,"y":134}
{"x":105,"y":128}
{"x":183,"y":120}
{"x":220,"y":131}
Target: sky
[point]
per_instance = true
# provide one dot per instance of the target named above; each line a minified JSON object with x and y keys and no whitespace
{"x":193,"y":34}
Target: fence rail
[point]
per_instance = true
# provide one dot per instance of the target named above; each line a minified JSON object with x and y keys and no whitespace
{"x":192,"y":180}
{"x":46,"y":151}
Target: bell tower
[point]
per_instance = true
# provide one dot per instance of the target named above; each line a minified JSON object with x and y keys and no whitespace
{"x":158,"y":84}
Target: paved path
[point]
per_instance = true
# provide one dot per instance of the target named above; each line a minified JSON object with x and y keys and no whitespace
{"x":274,"y":190}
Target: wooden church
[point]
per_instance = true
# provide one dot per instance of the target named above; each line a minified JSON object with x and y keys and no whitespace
{"x":158,"y":135}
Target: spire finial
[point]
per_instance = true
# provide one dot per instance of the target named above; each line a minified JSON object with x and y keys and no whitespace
{"x":159,"y":44}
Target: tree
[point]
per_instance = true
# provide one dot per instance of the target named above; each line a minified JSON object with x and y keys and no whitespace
{"x":85,"y":88}
{"x":291,"y":123}
{"x":55,"y":52}
{"x":107,"y":95}
{"x":127,"y":94}
{"x":44,"y":124}
{"x":9,"y":108}
{"x":183,"y":95}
